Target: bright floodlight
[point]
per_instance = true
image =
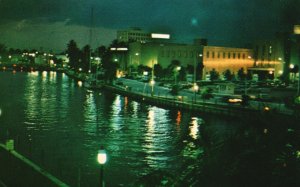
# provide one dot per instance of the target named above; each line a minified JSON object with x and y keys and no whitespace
{"x":296,"y":29}
{"x":196,"y":87}
{"x":160,"y":36}
{"x":102,"y":157}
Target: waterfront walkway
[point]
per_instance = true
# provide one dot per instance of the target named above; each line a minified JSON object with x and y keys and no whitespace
{"x":188,"y":100}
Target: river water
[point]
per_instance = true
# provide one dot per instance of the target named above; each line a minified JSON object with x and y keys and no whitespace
{"x":60,"y":126}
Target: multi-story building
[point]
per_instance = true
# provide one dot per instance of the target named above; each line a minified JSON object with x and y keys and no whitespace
{"x":277,"y":57}
{"x":152,"y":53}
{"x":226,"y":58}
{"x":133,"y":34}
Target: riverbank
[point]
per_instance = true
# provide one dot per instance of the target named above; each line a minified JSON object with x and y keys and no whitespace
{"x":202,"y":106}
{"x":17,"y":170}
{"x":205,"y":106}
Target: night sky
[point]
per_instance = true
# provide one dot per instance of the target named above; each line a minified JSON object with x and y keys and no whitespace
{"x":50,"y":24}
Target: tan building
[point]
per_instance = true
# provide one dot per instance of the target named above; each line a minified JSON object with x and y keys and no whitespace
{"x":223,"y":58}
{"x":152,"y":53}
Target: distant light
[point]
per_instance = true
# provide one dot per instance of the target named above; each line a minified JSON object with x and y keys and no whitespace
{"x":280,"y":72}
{"x":265,"y":131}
{"x":145,"y":73}
{"x":200,"y":55}
{"x":196,"y":87}
{"x":0,"y":112}
{"x":80,"y":69}
{"x":279,"y":59}
{"x":266,"y":108}
{"x":102,"y":157}
{"x":234,"y":100}
{"x":270,"y":72}
{"x":122,"y":49}
{"x":152,"y":82}
{"x":292,"y":66}
{"x":296,"y":29}
{"x":116,"y":60}
{"x":113,"y":49}
{"x":160,"y":36}
{"x":249,"y":57}
{"x":79,"y":83}
{"x":298,"y":154}
{"x":137,"y":54}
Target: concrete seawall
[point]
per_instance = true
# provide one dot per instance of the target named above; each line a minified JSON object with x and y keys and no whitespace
{"x":16,"y":170}
{"x":227,"y":110}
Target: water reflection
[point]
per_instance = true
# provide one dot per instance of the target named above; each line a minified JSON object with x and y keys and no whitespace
{"x":194,"y":128}
{"x":68,"y":124}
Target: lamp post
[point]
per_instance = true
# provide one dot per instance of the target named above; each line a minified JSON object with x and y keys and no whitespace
{"x":152,"y":82}
{"x":177,"y":69}
{"x":102,"y":158}
{"x":196,"y":88}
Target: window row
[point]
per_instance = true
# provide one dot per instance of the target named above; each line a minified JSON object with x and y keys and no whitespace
{"x":180,"y":54}
{"x":225,"y":55}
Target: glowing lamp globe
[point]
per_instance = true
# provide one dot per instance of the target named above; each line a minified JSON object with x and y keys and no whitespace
{"x":102,"y":157}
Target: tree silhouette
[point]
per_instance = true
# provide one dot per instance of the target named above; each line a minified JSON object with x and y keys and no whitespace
{"x":73,"y":54}
{"x":228,"y":75}
{"x":214,"y":75}
{"x":85,"y":58}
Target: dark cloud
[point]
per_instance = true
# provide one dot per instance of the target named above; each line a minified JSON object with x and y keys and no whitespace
{"x":223,"y":22}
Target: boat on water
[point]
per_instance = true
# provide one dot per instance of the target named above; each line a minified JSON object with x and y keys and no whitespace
{"x":93,"y":84}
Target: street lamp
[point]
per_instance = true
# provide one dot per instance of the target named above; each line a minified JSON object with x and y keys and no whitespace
{"x":196,"y":88}
{"x":177,"y":69}
{"x":101,"y":158}
{"x":152,"y":82}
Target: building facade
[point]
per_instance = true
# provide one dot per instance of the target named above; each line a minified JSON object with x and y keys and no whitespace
{"x":149,"y":54}
{"x":226,"y":58}
{"x":133,"y":34}
{"x":279,"y":56}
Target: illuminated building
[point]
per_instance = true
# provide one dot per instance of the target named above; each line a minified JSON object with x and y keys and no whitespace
{"x":277,"y":57}
{"x":133,"y":34}
{"x":163,"y":53}
{"x":226,"y":58}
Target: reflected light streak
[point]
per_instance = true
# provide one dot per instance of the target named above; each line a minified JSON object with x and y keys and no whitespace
{"x":134,"y":109}
{"x":44,"y":74}
{"x":125,"y":103}
{"x":116,"y":109}
{"x":34,"y":73}
{"x":90,"y":113}
{"x":178,"y":119}
{"x":155,"y":137}
{"x":194,"y":128}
